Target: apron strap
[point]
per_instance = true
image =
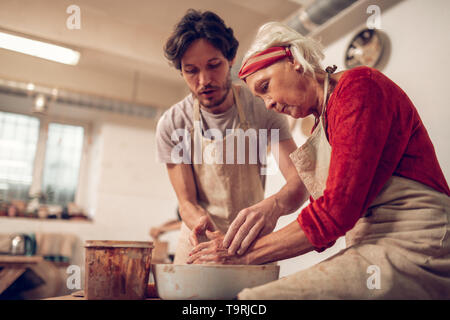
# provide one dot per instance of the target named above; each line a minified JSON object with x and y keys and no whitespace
{"x":196,"y":133}
{"x":325,"y":94}
{"x":197,"y":116}
{"x":237,"y":100}
{"x":324,"y":105}
{"x":196,"y":110}
{"x":329,"y":70}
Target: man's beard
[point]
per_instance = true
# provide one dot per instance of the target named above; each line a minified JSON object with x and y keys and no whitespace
{"x":214,"y":103}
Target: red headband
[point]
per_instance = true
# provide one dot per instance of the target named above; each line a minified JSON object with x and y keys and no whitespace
{"x":263,"y":59}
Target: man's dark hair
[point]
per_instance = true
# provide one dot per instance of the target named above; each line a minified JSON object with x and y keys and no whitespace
{"x":196,"y":25}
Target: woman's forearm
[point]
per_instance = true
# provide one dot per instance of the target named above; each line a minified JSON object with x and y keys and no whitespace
{"x":290,"y":197}
{"x":285,"y":243}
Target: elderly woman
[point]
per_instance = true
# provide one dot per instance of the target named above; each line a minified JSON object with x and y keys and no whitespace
{"x":372,"y":173}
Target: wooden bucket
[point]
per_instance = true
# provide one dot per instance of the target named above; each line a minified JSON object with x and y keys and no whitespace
{"x":117,"y":270}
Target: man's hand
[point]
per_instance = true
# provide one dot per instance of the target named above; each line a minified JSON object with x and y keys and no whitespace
{"x":213,"y":252}
{"x":155,"y":233}
{"x":198,"y":233}
{"x":250,"y":223}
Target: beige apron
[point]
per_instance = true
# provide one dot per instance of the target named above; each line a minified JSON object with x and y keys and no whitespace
{"x":399,"y":249}
{"x":223,"y":189}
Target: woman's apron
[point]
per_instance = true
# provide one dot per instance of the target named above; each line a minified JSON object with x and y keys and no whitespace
{"x":223,"y":189}
{"x":399,"y":249}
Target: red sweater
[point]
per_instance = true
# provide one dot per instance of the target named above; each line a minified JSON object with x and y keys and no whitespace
{"x":375,"y":132}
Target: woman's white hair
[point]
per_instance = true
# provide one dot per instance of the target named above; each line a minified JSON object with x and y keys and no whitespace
{"x":306,"y":51}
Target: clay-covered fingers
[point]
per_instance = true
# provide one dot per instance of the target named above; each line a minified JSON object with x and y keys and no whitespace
{"x":250,"y":237}
{"x":198,"y":231}
{"x":242,"y":233}
{"x":204,"y":259}
{"x":234,"y":228}
{"x":204,"y":255}
{"x":200,"y":247}
{"x":212,"y":235}
{"x":197,"y":257}
{"x":193,"y":237}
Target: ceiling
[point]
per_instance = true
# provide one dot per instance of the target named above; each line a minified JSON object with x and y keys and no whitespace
{"x":121,"y":41}
{"x":129,"y":35}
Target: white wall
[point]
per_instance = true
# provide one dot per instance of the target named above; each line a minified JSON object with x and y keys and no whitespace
{"x":134,"y":192}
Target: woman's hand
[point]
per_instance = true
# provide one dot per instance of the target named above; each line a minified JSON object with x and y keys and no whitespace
{"x":213,"y":252}
{"x":251,"y":223}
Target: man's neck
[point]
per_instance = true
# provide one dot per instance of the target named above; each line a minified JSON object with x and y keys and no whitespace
{"x":223,"y":107}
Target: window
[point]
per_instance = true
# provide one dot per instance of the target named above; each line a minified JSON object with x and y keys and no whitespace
{"x":62,"y":162}
{"x":18,"y":140}
{"x":37,"y":155}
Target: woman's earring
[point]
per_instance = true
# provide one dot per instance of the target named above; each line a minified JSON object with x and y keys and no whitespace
{"x":298,"y":68}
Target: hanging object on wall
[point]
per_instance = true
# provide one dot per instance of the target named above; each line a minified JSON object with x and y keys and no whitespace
{"x":365,"y":49}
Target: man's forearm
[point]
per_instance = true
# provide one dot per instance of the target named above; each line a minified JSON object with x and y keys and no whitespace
{"x":285,"y":243}
{"x":191,"y":213}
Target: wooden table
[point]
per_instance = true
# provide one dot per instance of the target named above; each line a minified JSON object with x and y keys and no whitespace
{"x":67,"y":297}
{"x":14,"y":266}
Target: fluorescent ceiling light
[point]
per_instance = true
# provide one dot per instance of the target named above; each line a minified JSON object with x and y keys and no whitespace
{"x":30,"y":86}
{"x":39,"y":49}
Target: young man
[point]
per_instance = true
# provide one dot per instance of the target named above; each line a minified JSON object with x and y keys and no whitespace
{"x":218,"y":182}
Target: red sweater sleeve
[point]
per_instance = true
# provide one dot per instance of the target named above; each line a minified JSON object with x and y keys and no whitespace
{"x":360,"y":122}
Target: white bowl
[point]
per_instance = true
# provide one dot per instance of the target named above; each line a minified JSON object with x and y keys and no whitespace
{"x":209,"y":282}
